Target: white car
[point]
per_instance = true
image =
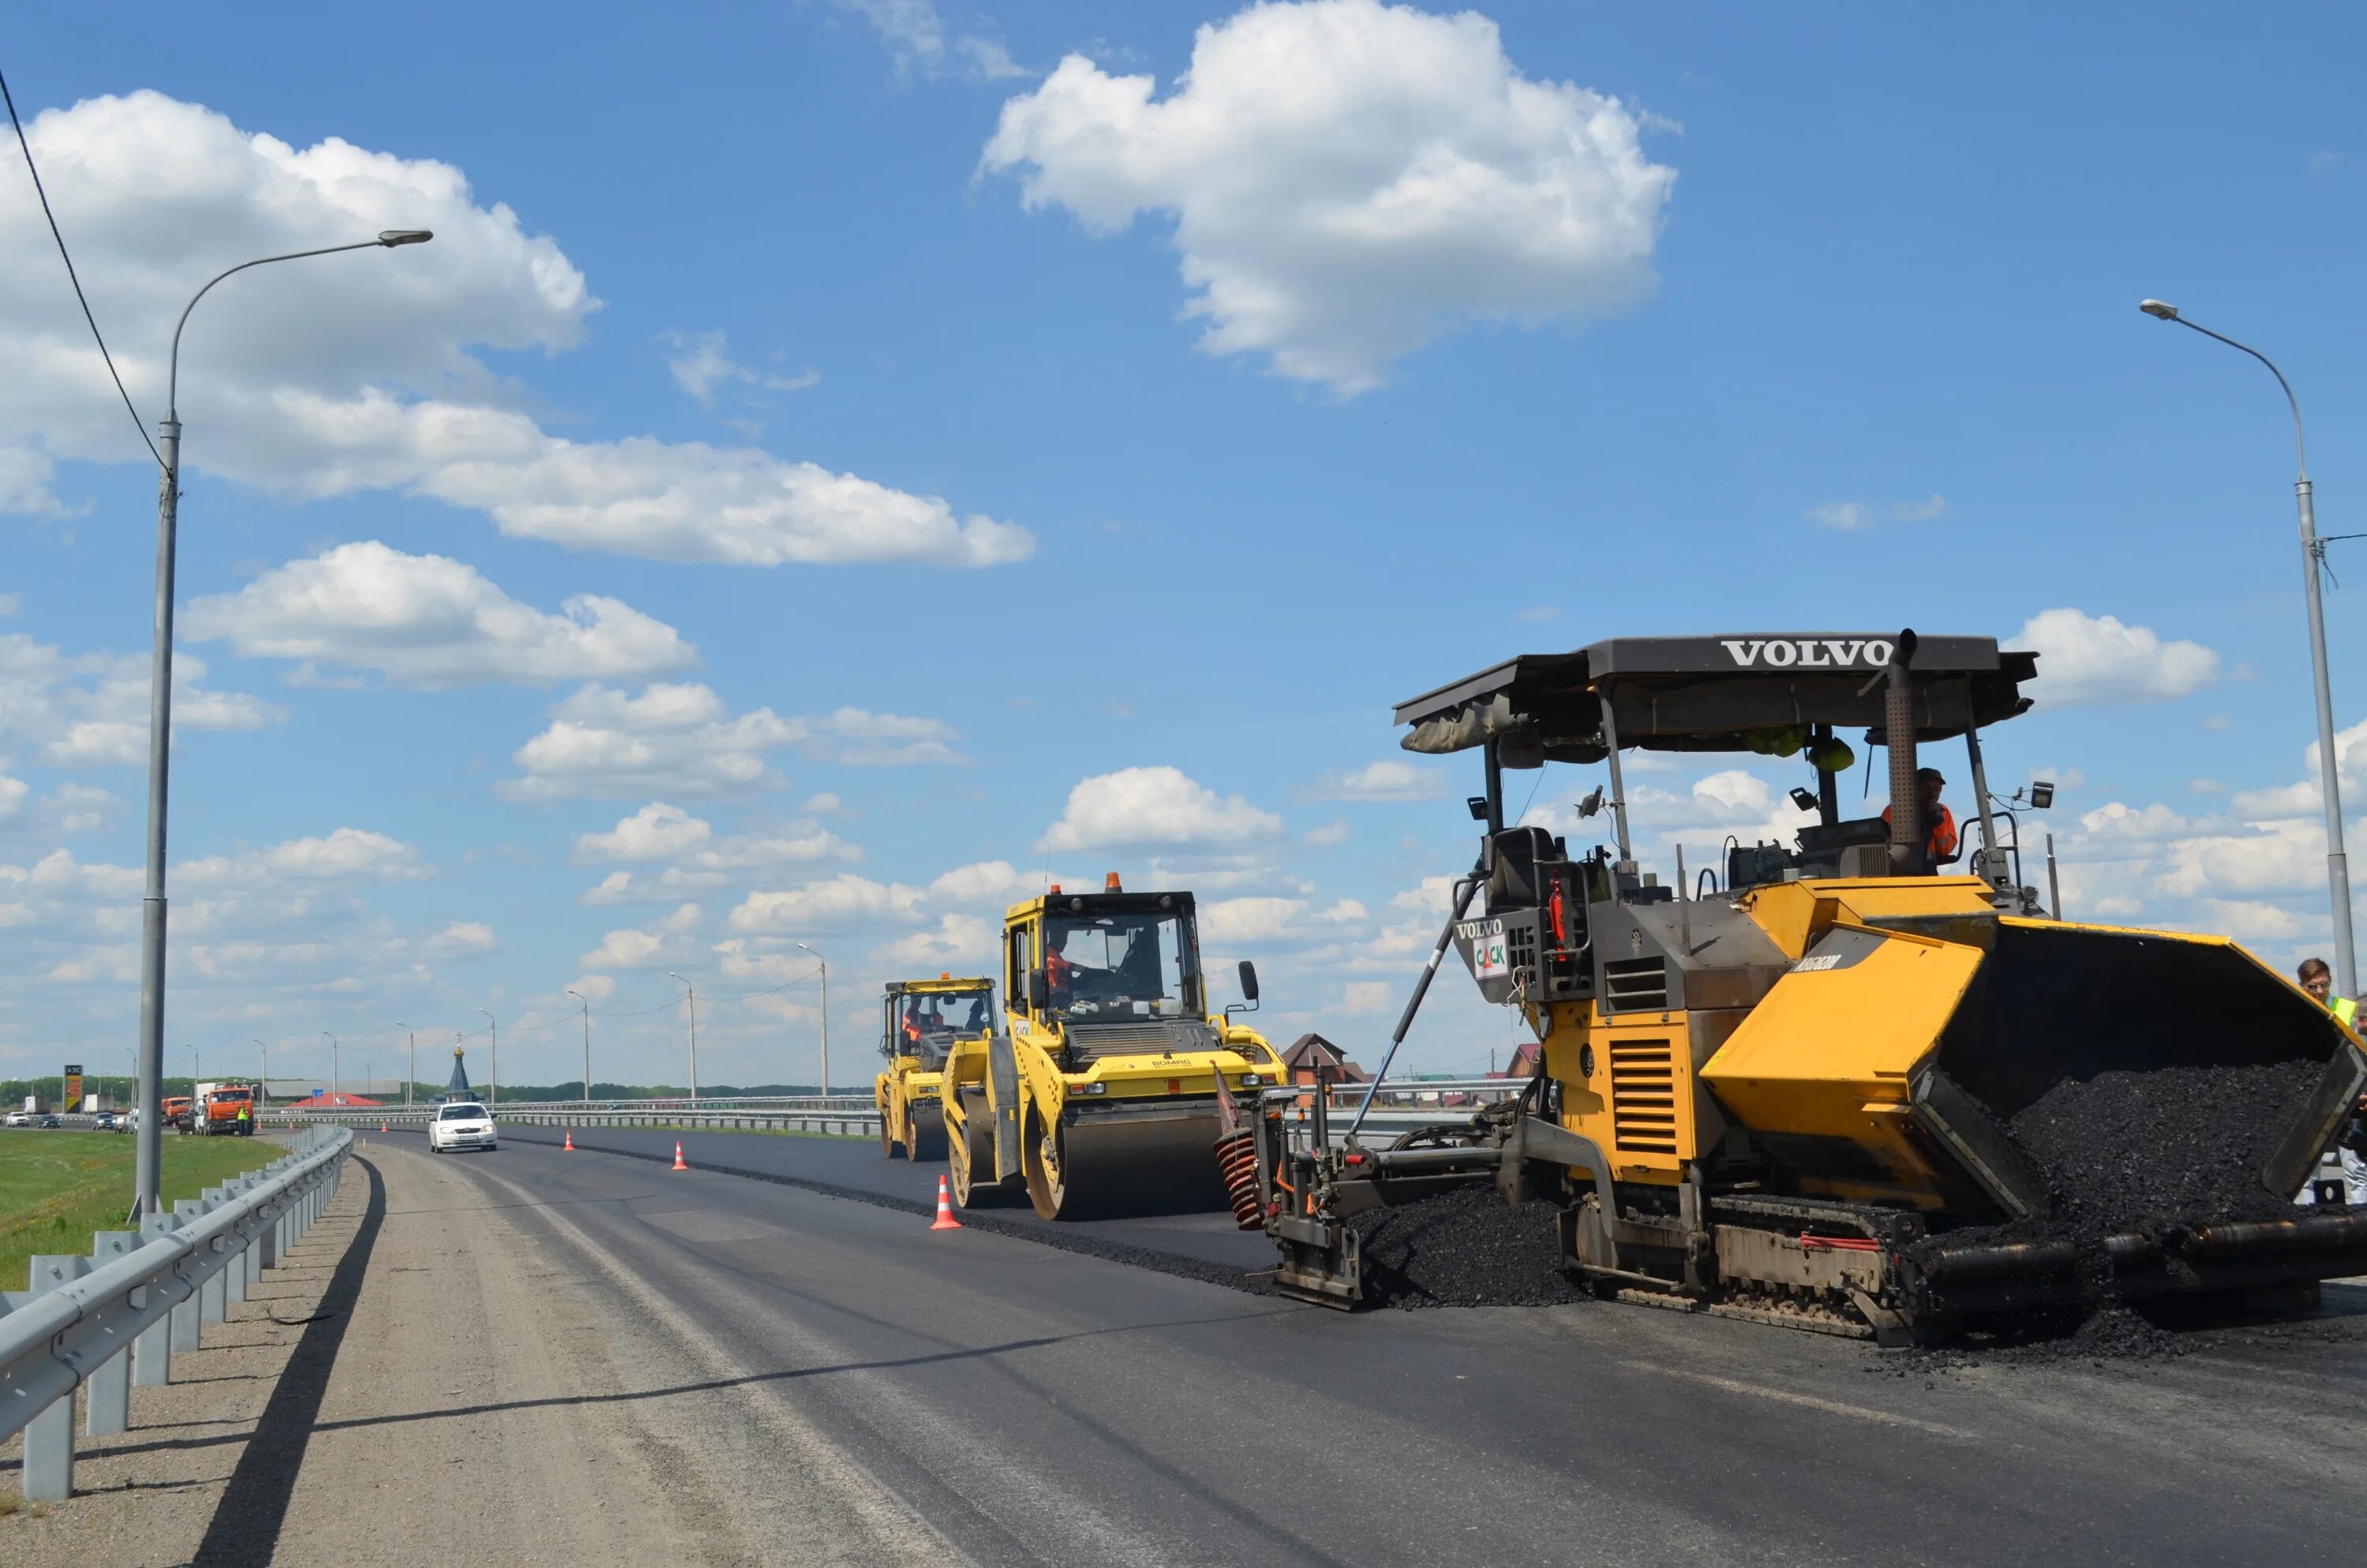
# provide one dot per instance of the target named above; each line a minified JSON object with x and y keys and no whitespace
{"x":462,"y":1126}
{"x":20,"y":1119}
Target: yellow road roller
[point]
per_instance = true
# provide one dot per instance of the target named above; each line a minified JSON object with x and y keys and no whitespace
{"x":921,"y":1021}
{"x":1859,"y":1081}
{"x":1099,"y":1094}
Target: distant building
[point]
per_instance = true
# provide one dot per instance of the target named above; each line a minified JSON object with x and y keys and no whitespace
{"x":1310,"y":1052}
{"x":1523,"y":1064}
{"x":322,"y":1100}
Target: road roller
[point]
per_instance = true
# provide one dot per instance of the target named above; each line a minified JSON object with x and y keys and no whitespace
{"x":1859,"y":1081}
{"x":1100,"y":1092}
{"x":921,"y":1020}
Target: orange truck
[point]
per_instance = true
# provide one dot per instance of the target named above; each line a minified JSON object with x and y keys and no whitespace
{"x":176,"y":1111}
{"x":224,"y":1108}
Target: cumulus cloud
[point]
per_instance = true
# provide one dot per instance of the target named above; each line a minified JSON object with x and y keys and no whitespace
{"x":347,"y":854}
{"x":923,"y":44}
{"x":2087,"y":659}
{"x":843,"y":898}
{"x":1154,"y":805}
{"x":431,"y":621}
{"x":460,"y":939}
{"x":347,"y":373}
{"x":678,"y":738}
{"x":1388,"y":779}
{"x":654,"y":832}
{"x":91,"y":710}
{"x":957,"y":943}
{"x":1253,"y":919}
{"x":1851,"y":516}
{"x":1349,"y":181}
{"x":701,"y":368}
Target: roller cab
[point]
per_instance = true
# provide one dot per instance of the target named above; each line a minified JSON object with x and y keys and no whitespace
{"x":1100,"y":1093}
{"x":922,"y":1022}
{"x":1858,"y":1082}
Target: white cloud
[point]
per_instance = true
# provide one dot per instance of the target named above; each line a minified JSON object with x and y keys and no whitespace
{"x":1333,"y":832}
{"x":1388,"y":779}
{"x":845,"y":897}
{"x":676,"y":738}
{"x":1154,"y":805}
{"x":1851,"y":516}
{"x":461,"y":938}
{"x":347,"y":854}
{"x":91,"y":710}
{"x":701,"y":366}
{"x":962,"y":944}
{"x":25,"y":474}
{"x":1349,"y":181}
{"x":346,"y":373}
{"x":2097,"y":658}
{"x":1538,"y":613}
{"x":432,"y":621}
{"x":626,"y":949}
{"x":923,"y":44}
{"x":1363,"y":999}
{"x":1734,"y":795}
{"x":672,"y":739}
{"x":1243,"y":921}
{"x":13,"y":794}
{"x":654,"y":832}
{"x":986,"y":881}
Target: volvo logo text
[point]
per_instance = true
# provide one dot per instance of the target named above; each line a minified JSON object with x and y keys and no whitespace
{"x":1809,"y":652}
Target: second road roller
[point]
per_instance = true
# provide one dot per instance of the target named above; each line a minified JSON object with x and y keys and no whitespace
{"x":923,"y":1019}
{"x":1100,"y":1092}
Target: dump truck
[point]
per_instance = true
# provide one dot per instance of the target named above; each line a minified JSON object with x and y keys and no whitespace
{"x":1099,"y":1091}
{"x":224,"y":1110}
{"x":921,"y":1021}
{"x":1853,"y":1082}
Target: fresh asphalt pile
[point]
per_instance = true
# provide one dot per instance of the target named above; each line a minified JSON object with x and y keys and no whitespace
{"x":1464,"y":1247}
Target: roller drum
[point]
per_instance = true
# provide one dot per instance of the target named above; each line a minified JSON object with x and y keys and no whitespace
{"x":1099,"y":1164}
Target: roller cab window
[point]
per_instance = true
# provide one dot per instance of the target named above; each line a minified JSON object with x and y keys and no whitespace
{"x":1107,"y":967}
{"x":935,"y":1017}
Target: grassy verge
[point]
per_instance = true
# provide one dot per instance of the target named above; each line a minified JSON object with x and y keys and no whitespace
{"x":57,"y":1187}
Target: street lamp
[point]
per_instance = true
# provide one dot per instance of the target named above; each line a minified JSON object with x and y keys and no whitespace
{"x":149,"y":1146}
{"x":587,"y":1043}
{"x":2313,"y":559}
{"x":410,"y":1062}
{"x":263,"y":1070}
{"x":494,"y":1071}
{"x":693,"y":1036}
{"x":337,"y":1087}
{"x":825,"y":1017}
{"x":196,"y":1069}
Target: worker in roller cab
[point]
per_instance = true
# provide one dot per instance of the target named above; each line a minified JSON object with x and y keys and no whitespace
{"x":913,"y":1024}
{"x":1940,"y":837}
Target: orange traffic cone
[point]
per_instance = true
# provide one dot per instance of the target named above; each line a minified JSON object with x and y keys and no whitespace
{"x":570,"y":1146}
{"x":679,"y":1164}
{"x":382,"y":1126}
{"x":945,"y":1221}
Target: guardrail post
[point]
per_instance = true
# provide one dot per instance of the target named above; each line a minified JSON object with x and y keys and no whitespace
{"x":108,"y":1409}
{"x":152,"y":1353}
{"x":186,"y":1312}
{"x":212,"y":1294}
{"x":49,"y":1437}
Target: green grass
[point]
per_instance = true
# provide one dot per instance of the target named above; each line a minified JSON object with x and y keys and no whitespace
{"x":57,"y":1187}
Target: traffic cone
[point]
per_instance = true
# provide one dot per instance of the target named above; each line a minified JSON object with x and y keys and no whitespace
{"x":945,"y":1221}
{"x":570,"y":1146}
{"x":679,"y":1164}
{"x":382,"y":1126}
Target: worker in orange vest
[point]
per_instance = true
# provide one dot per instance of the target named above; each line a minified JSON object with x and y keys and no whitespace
{"x":1939,"y":841}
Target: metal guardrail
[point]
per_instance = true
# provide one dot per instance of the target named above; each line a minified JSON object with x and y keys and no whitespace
{"x":117,"y":1319}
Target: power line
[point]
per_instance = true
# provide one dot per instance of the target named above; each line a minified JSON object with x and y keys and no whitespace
{"x":136,"y":423}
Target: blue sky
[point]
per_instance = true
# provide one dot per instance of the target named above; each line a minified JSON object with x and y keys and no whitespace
{"x":840,"y":461}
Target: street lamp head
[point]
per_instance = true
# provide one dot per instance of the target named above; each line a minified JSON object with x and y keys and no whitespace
{"x":390,"y":238}
{"x":2160,"y":310}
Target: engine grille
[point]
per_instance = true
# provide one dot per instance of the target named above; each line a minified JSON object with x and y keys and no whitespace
{"x":1636,"y":985}
{"x":1092,"y":1041}
{"x":1643,"y":1098}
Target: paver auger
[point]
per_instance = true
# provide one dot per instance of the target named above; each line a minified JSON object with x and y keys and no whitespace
{"x":924,"y":1018}
{"x":1829,"y":1085}
{"x":1101,"y":1092}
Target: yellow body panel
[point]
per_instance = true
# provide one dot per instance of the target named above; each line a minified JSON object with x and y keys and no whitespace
{"x":908,"y":1081}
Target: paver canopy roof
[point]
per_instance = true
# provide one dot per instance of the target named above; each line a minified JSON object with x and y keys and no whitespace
{"x":1711,"y":694}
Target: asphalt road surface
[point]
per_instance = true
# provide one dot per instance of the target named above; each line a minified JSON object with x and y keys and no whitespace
{"x":850,"y":1386}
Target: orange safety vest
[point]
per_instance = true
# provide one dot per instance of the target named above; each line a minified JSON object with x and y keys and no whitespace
{"x":1942,"y":843}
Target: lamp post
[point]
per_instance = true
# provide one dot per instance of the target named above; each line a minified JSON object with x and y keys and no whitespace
{"x":824,"y":962}
{"x":2313,"y":558}
{"x":587,"y":1043}
{"x":693,"y":1036}
{"x":493,"y":1068}
{"x":411,"y":1062}
{"x":262,"y":1069}
{"x":197,"y":1067}
{"x":336,"y":1086}
{"x":149,"y":1144}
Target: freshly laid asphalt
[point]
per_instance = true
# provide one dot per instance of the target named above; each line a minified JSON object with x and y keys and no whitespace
{"x":1032,"y":1405}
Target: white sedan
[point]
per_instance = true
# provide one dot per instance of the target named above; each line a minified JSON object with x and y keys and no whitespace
{"x":463,"y":1126}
